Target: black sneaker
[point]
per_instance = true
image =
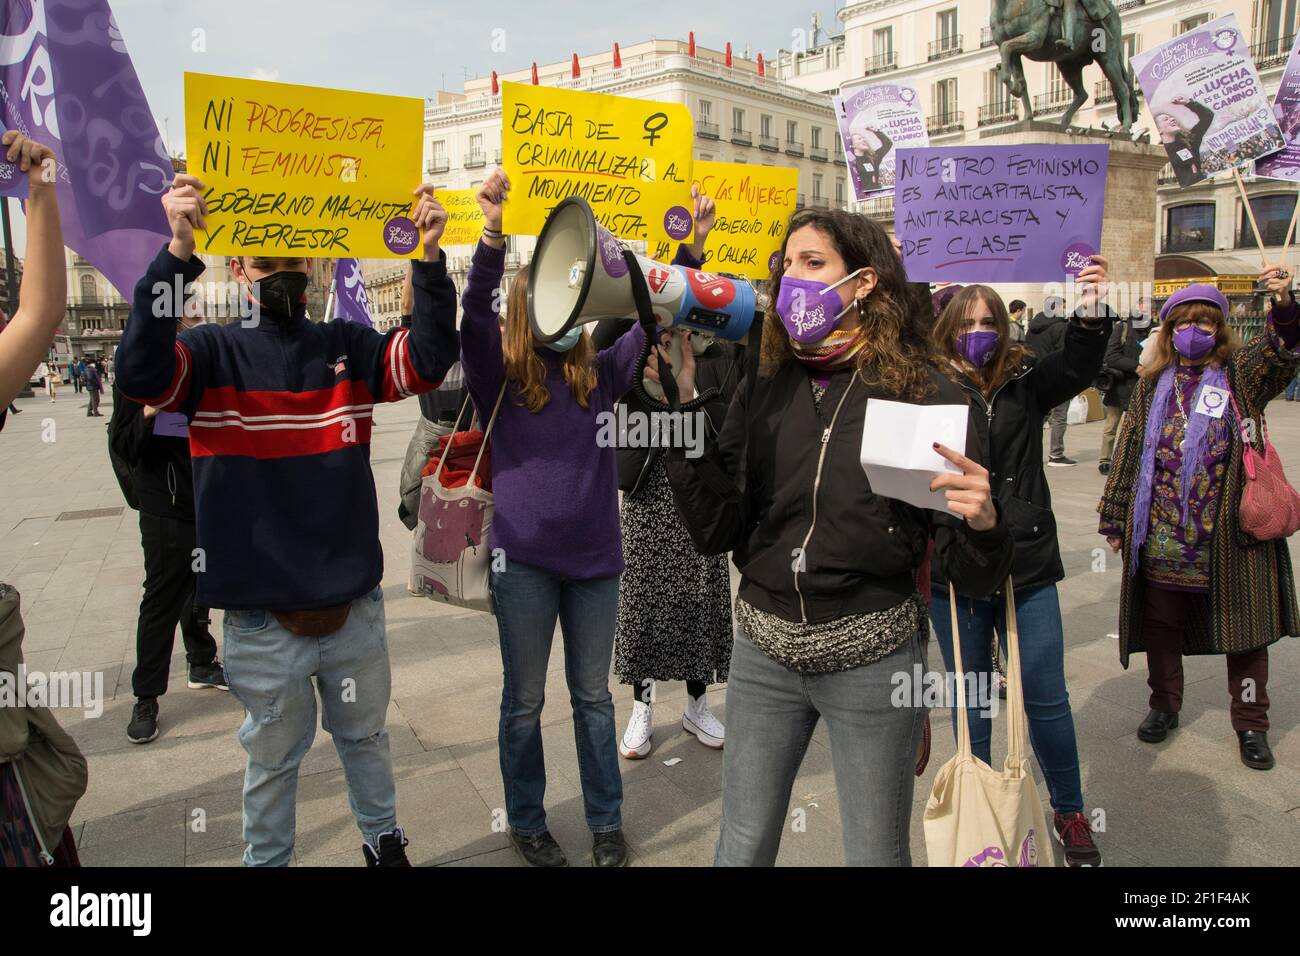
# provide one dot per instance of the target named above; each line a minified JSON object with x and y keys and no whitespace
{"x":207,"y":675}
{"x":609,"y":849}
{"x":391,"y":852}
{"x":539,"y":849}
{"x":1061,"y":462}
{"x":1104,"y":467}
{"x":1075,"y":836}
{"x":144,"y":721}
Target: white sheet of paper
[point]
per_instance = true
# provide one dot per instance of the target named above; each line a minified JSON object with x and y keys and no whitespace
{"x":897,"y":449}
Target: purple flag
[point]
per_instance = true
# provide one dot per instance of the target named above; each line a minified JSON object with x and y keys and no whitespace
{"x":999,"y":213}
{"x":350,"y":301}
{"x":67,"y":81}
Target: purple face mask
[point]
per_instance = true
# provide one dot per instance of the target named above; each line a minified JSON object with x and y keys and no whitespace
{"x":809,"y":310}
{"x":1193,"y":343}
{"x":979,"y":346}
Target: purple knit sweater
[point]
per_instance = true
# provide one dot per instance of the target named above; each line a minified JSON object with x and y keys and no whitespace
{"x":555,"y":489}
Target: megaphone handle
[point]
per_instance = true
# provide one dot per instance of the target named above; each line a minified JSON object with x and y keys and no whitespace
{"x":641,"y":296}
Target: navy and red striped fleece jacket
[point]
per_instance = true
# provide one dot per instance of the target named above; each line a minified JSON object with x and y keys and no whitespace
{"x":280,"y":415}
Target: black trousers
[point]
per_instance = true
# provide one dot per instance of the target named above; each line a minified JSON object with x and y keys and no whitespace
{"x":168,"y":599}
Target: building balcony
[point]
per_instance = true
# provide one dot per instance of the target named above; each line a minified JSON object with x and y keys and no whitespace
{"x":945,"y":47}
{"x":1054,"y":102}
{"x":942,"y":123}
{"x":769,"y":143}
{"x":818,"y":153}
{"x":820,"y":202}
{"x":1271,"y":54}
{"x":991,"y":114}
{"x":792,"y":148}
{"x":799,"y":201}
{"x":1189,"y":243}
{"x":440,"y":164}
{"x":986,"y":36}
{"x":498,"y":159}
{"x":1166,"y":177}
{"x":475,"y":158}
{"x":881,"y":63}
{"x":1102,"y":93}
{"x":1122,"y":5}
{"x":706,"y":130}
{"x":742,"y":137}
{"x":881,"y":207}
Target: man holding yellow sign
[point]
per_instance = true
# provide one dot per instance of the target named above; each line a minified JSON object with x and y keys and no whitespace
{"x":303,"y":170}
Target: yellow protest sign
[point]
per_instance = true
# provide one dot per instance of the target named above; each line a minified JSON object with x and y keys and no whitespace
{"x":629,"y":158}
{"x":464,"y":217}
{"x":754,"y":205}
{"x":303,"y":171}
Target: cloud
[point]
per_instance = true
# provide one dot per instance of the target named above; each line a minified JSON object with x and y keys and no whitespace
{"x":271,"y":75}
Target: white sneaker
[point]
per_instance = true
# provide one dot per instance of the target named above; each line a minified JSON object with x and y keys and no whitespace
{"x":636,"y":742}
{"x":697,"y":719}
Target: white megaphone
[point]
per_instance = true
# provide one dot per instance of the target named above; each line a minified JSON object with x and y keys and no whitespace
{"x":579,"y":275}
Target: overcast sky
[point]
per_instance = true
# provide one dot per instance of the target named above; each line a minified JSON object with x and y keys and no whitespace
{"x":415,"y":47}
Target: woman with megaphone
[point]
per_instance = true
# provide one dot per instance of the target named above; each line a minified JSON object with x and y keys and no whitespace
{"x":555,"y":540}
{"x":828,"y":613}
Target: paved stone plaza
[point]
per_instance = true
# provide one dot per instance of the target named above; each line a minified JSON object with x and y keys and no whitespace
{"x":1188,"y":801}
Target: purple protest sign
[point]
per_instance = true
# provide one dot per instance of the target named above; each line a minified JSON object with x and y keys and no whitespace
{"x":1285,"y":164}
{"x":1207,"y":102}
{"x":874,"y":120}
{"x":350,"y":299}
{"x":999,"y":213}
{"x":67,"y":81}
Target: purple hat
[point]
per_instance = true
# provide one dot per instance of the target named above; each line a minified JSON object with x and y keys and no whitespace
{"x":1198,"y":292}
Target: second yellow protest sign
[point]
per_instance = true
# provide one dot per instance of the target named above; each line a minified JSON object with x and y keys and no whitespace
{"x":754,"y":205}
{"x":629,"y":158}
{"x":303,"y":171}
{"x":464,"y":217}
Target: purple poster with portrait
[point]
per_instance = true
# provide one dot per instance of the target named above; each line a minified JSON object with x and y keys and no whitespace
{"x":999,"y":213}
{"x":1285,"y":164}
{"x":1209,"y":107}
{"x":875,"y":119}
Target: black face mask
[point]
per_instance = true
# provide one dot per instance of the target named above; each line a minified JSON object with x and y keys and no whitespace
{"x":280,"y":294}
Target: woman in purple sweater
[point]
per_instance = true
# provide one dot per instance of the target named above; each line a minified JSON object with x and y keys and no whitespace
{"x":557,"y":549}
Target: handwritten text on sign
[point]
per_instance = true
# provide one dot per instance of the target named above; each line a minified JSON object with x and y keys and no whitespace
{"x":303,"y":171}
{"x":629,"y":158}
{"x":999,"y":213}
{"x":754,"y":205}
{"x":464,"y":217}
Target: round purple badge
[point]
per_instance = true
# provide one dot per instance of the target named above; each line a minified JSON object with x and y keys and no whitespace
{"x":1076,"y":256}
{"x":611,"y":254}
{"x":401,"y":235}
{"x":677,"y":222}
{"x":773,"y":261}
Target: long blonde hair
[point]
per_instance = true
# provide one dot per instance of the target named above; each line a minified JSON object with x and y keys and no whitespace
{"x":525,"y":367}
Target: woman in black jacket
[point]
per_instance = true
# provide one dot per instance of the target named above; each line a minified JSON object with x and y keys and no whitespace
{"x":828,"y":610}
{"x":866,"y":161}
{"x":1014,"y":394}
{"x":1184,"y":145}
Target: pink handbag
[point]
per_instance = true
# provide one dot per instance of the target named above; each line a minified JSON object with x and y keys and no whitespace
{"x":1270,"y":507}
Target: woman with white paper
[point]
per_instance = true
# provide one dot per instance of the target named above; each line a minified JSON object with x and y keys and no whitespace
{"x":828,"y":611}
{"x":1013,"y":395}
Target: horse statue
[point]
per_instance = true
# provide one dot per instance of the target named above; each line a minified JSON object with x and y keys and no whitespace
{"x":1058,"y":31}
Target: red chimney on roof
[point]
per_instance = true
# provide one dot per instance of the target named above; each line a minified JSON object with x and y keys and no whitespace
{"x":728,"y":53}
{"x":760,"y":65}
{"x":618,"y":59}
{"x":691,"y":48}
{"x":576,"y":70}
{"x":496,"y":87}
{"x":534,"y":73}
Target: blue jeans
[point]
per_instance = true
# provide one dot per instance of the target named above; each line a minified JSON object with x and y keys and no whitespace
{"x":771,"y":714}
{"x":528,"y":601}
{"x":1292,"y":387}
{"x":1042,"y":672}
{"x":270,"y":672}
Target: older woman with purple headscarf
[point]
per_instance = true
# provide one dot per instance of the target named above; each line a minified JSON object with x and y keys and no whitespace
{"x":1194,"y":581}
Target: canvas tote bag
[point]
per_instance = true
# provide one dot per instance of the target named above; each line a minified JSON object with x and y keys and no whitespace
{"x":978,"y":816}
{"x":450,"y":560}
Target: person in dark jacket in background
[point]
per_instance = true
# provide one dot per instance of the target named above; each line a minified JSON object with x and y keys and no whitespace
{"x":828,"y":609}
{"x":1016,"y":313}
{"x":1121,"y":367}
{"x":155,"y":446}
{"x":1047,"y":335}
{"x":94,"y":381}
{"x":1015,"y":392}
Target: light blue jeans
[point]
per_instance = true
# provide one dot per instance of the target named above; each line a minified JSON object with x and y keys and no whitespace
{"x":270,"y":671}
